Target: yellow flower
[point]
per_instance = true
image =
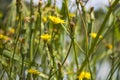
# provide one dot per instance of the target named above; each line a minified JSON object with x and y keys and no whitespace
{"x":33,"y":71}
{"x":4,"y":37}
{"x":56,"y":20}
{"x":12,"y":30}
{"x":1,"y":14}
{"x":109,"y":46}
{"x":84,"y":75}
{"x":1,"y":36}
{"x":44,"y":19}
{"x":71,"y":15}
{"x":45,"y":37}
{"x":93,"y":35}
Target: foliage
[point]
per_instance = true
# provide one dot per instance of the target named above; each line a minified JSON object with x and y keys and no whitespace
{"x":44,"y":42}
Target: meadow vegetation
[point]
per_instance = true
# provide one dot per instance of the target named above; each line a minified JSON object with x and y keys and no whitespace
{"x":44,"y":42}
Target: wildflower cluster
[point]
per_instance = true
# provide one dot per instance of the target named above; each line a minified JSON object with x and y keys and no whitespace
{"x":109,"y":46}
{"x":56,"y":20}
{"x":84,"y":75}
{"x":93,"y":35}
{"x":33,"y":71}
{"x":4,"y":37}
{"x":45,"y":37}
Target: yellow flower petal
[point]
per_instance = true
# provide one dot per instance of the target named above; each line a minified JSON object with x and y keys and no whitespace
{"x":84,"y":75}
{"x":33,"y":71}
{"x":12,"y":30}
{"x":45,"y":37}
{"x":1,"y":36}
{"x":109,"y":46}
{"x":71,"y":15}
{"x":93,"y":35}
{"x":44,"y":19}
{"x":56,"y":20}
{"x":6,"y":38}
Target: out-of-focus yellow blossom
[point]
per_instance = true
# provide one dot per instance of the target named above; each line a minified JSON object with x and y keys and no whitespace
{"x":1,"y":14}
{"x":33,"y":71}
{"x":1,"y":36}
{"x":36,"y":72}
{"x":109,"y":46}
{"x":56,"y":20}
{"x":84,"y":75}
{"x":71,"y":15}
{"x":45,"y":37}
{"x":6,"y":38}
{"x":44,"y":19}
{"x":93,"y":35}
{"x":12,"y":30}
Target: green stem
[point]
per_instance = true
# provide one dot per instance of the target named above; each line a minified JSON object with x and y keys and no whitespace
{"x":76,"y":60}
{"x":103,"y":26}
{"x":18,"y":5}
{"x":113,"y":69}
{"x":31,"y":31}
{"x":2,"y":75}
{"x":63,"y":61}
{"x":67,"y":54}
{"x":101,"y":29}
{"x":22,"y":66}
{"x":84,"y":24}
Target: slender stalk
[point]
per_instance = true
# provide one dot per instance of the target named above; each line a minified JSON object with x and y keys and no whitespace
{"x":31,"y":31}
{"x":67,"y":54}
{"x":63,"y":61}
{"x":76,"y":59}
{"x":22,"y":66}
{"x":101,"y":29}
{"x":19,"y":12}
{"x":103,"y":25}
{"x":91,"y":27}
{"x":113,"y":53}
{"x":40,"y":16}
{"x":84,"y":23}
{"x":112,"y":71}
{"x":2,"y":75}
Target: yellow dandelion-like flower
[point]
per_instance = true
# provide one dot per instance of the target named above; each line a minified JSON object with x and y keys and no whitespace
{"x":45,"y":37}
{"x":6,"y":38}
{"x":109,"y":46}
{"x":93,"y":35}
{"x":71,"y":15}
{"x":12,"y":30}
{"x":56,"y":20}
{"x":33,"y":71}
{"x":84,"y":75}
{"x":1,"y":36}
